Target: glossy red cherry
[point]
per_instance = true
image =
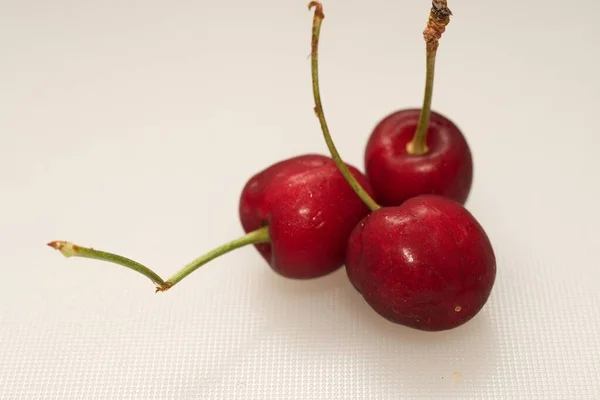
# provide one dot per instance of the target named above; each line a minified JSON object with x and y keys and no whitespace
{"x":446,"y":169}
{"x":426,"y":264}
{"x":310,"y":210}
{"x":418,"y":151}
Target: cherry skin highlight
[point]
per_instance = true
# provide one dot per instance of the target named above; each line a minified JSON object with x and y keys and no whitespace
{"x":310,"y":210}
{"x":396,"y":176}
{"x":426,"y":264}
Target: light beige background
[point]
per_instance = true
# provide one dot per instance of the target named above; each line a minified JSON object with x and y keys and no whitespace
{"x":132,"y":126}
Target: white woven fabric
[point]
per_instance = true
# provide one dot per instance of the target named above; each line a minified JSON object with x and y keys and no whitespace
{"x":132,"y":127}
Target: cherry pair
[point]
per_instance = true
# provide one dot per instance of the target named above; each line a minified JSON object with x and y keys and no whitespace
{"x":422,"y":261}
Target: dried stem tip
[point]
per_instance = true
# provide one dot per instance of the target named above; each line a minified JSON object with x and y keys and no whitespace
{"x":439,"y":18}
{"x":67,"y":249}
{"x":318,"y":9}
{"x":163,"y":288}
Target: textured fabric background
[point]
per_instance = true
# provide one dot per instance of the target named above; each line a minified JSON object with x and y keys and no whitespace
{"x":131,"y":126}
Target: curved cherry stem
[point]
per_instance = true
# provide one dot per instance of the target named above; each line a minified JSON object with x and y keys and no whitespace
{"x":69,"y":249}
{"x":439,"y":18}
{"x":342,"y":167}
{"x":72,"y":250}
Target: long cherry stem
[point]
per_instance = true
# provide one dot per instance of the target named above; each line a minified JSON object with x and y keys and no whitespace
{"x":439,"y":18}
{"x":68,"y":249}
{"x":343,"y":168}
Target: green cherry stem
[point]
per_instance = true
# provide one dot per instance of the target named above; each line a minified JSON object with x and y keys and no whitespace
{"x":68,"y":249}
{"x":316,"y":31}
{"x":439,"y":18}
{"x":260,"y":235}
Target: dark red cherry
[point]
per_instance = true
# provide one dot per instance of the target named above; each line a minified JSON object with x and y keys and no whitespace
{"x":426,"y":264}
{"x":396,"y":175}
{"x":310,"y":210}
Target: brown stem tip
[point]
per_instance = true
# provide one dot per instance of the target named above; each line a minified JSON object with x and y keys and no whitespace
{"x":318,"y":8}
{"x":67,"y":249}
{"x":57,"y":244}
{"x":439,"y":18}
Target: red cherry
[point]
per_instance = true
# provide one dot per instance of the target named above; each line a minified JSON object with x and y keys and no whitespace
{"x":426,"y":264}
{"x":310,"y":210}
{"x":396,"y":175}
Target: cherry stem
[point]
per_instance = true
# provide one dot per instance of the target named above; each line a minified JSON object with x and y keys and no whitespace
{"x":260,"y":235}
{"x":68,"y":249}
{"x":439,"y":18}
{"x":342,"y":167}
